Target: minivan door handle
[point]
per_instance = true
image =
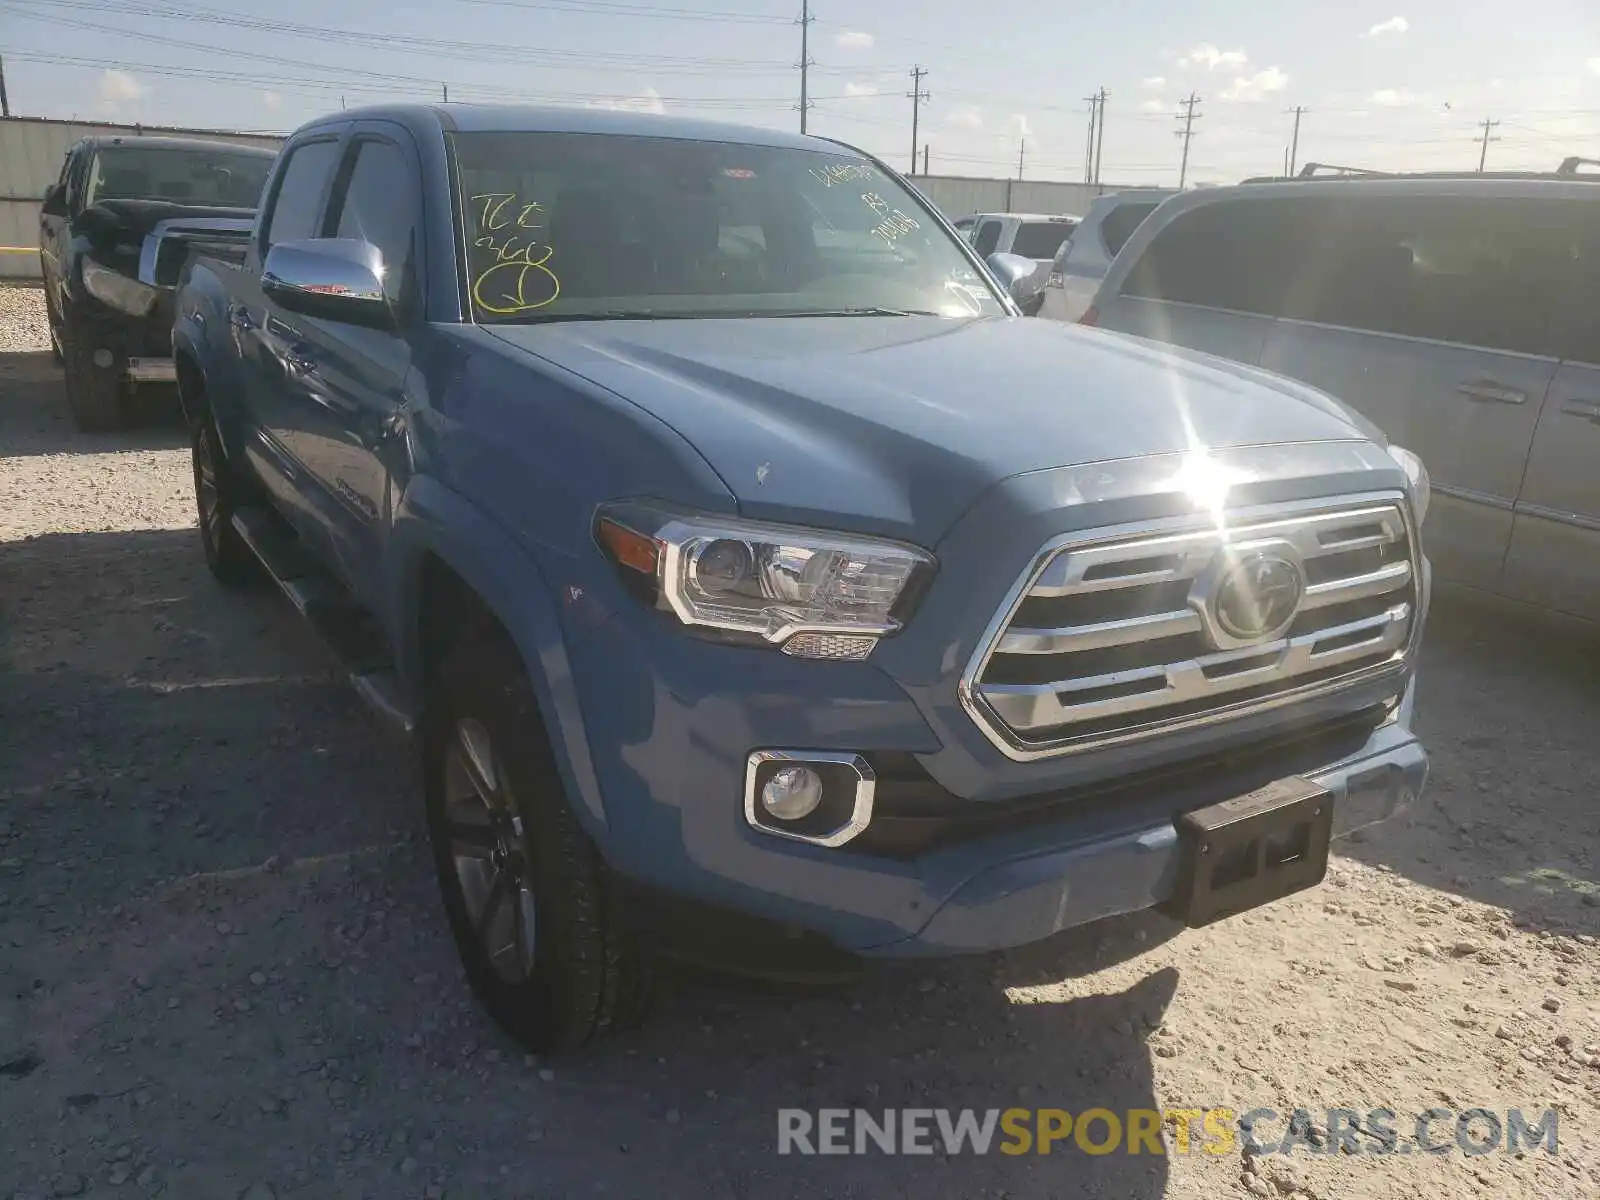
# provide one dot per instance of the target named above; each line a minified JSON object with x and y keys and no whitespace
{"x":1488,"y":391}
{"x":1583,"y":408}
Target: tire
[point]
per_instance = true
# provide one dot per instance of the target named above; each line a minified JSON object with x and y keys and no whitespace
{"x":94,"y":394}
{"x":529,"y":900}
{"x":216,"y":496}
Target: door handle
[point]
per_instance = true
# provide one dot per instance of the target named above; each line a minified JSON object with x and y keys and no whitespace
{"x":298,"y":362}
{"x":1583,"y":408}
{"x":1488,"y":391}
{"x":239,"y":317}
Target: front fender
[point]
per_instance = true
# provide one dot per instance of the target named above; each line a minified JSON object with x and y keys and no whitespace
{"x":431,"y":518}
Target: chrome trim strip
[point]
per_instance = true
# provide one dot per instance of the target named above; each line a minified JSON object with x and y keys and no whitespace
{"x":992,"y":726}
{"x":860,"y":813}
{"x":1472,"y":497}
{"x":1558,"y":516}
{"x":1412,"y":339}
{"x":1099,"y":636}
{"x":151,"y":370}
{"x":1357,"y":587}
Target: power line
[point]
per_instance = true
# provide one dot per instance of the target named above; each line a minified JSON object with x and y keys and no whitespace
{"x":1487,"y":126}
{"x":1187,"y":134}
{"x":916,"y":96}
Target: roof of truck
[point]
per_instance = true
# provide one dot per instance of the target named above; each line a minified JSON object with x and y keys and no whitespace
{"x":175,"y":143}
{"x":530,"y":118}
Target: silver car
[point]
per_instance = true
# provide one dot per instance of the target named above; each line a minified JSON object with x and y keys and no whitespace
{"x":1085,"y":257}
{"x":1460,"y":314}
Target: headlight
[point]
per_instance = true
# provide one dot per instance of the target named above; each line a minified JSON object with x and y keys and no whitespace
{"x":117,"y":290}
{"x":815,"y":594}
{"x":1421,"y":487}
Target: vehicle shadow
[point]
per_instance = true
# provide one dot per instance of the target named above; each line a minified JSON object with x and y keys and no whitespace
{"x":1508,"y":705}
{"x":34,"y":417}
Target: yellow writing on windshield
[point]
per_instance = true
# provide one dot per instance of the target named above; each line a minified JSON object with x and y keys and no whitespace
{"x":514,"y":275}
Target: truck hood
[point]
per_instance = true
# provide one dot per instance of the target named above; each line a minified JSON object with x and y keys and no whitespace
{"x":896,"y":425}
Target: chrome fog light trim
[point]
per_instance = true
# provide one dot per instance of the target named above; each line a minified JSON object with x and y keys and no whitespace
{"x":846,"y":808}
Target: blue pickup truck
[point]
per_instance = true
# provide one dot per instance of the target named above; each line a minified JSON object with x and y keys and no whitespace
{"x":760,"y":587}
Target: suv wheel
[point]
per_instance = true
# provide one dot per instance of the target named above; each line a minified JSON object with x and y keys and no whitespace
{"x":528,"y":897}
{"x":94,"y":394}
{"x":216,"y":495}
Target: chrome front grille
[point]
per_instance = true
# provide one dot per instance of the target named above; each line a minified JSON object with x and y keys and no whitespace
{"x":1123,"y":634}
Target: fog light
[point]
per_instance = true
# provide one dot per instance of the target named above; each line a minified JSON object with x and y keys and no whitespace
{"x":792,"y":793}
{"x":103,"y":359}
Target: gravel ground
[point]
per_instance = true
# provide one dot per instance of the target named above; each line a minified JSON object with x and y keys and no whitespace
{"x":224,"y":971}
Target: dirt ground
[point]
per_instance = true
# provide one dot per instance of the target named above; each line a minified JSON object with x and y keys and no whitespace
{"x":224,"y":971}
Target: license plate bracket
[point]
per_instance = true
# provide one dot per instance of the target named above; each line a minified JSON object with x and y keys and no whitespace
{"x":1251,"y":850}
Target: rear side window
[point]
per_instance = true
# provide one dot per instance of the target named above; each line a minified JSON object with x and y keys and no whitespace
{"x":1479,"y":271}
{"x":297,"y":202}
{"x":1040,"y":239}
{"x":987,"y":238}
{"x":1238,"y":255}
{"x":1120,"y":223}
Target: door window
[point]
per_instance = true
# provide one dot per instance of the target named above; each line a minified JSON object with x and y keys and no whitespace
{"x":1040,"y":239}
{"x":297,"y":199}
{"x":376,"y":202}
{"x":1477,"y":271}
{"x":1120,"y":223}
{"x":1238,"y":254}
{"x":987,"y":237}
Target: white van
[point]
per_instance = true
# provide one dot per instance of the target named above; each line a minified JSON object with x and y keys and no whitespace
{"x":1085,"y":257}
{"x":1461,"y":314}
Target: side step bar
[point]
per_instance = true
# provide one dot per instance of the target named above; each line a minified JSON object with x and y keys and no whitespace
{"x":349,"y":630}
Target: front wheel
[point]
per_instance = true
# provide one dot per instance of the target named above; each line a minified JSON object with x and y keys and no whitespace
{"x":530,"y":902}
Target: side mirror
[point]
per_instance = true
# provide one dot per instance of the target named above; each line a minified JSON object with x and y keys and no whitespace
{"x":340,"y":279}
{"x":55,"y":201}
{"x":1019,"y":276}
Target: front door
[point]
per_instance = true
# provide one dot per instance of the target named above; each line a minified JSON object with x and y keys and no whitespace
{"x":350,"y":380}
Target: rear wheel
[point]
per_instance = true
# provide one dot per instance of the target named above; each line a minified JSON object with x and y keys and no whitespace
{"x":94,"y":393}
{"x":529,"y":900}
{"x":216,"y":494}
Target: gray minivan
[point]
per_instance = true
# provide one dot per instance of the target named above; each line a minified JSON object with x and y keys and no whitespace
{"x":1459,"y":314}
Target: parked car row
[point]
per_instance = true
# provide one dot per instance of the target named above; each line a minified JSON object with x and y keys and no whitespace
{"x":114,"y":231}
{"x":756,"y":591}
{"x":1461,"y":315}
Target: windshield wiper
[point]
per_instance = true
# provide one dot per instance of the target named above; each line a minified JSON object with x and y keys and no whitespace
{"x":867,"y":311}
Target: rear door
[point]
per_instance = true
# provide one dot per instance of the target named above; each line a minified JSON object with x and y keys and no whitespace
{"x":1555,"y":539}
{"x":1430,"y":314}
{"x":1087,"y":256}
{"x":1212,"y":279}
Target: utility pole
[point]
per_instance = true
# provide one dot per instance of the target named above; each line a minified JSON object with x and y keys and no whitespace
{"x":1022,"y":152}
{"x":5,"y":102}
{"x":1294,"y":142}
{"x":924,"y":158}
{"x":446,"y":88}
{"x":805,"y":60}
{"x":1100,"y":135}
{"x":1088,"y":153}
{"x":1487,"y":126}
{"x":916,"y":95}
{"x":1186,"y":133}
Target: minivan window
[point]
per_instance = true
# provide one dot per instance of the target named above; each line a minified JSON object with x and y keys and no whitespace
{"x":1474,"y":270}
{"x":1040,"y":239}
{"x":574,"y":226}
{"x":1238,"y":255}
{"x":1120,"y":223}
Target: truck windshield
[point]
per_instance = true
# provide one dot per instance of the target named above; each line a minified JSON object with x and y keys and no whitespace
{"x":573,"y":226}
{"x":183,"y":176}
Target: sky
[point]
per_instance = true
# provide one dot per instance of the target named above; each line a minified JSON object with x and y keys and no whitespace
{"x":1395,"y":84}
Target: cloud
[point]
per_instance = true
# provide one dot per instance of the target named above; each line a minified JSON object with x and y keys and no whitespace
{"x":1594,"y":65}
{"x":860,"y":89}
{"x":1154,"y":106}
{"x":118,"y":87}
{"x":1155,"y":82}
{"x":647,"y":101}
{"x":854,"y":39}
{"x":1258,"y":86}
{"x":1208,"y":56}
{"x":966,"y":118}
{"x":1392,"y":25}
{"x":1393,"y":97}
{"x":272,"y":101}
